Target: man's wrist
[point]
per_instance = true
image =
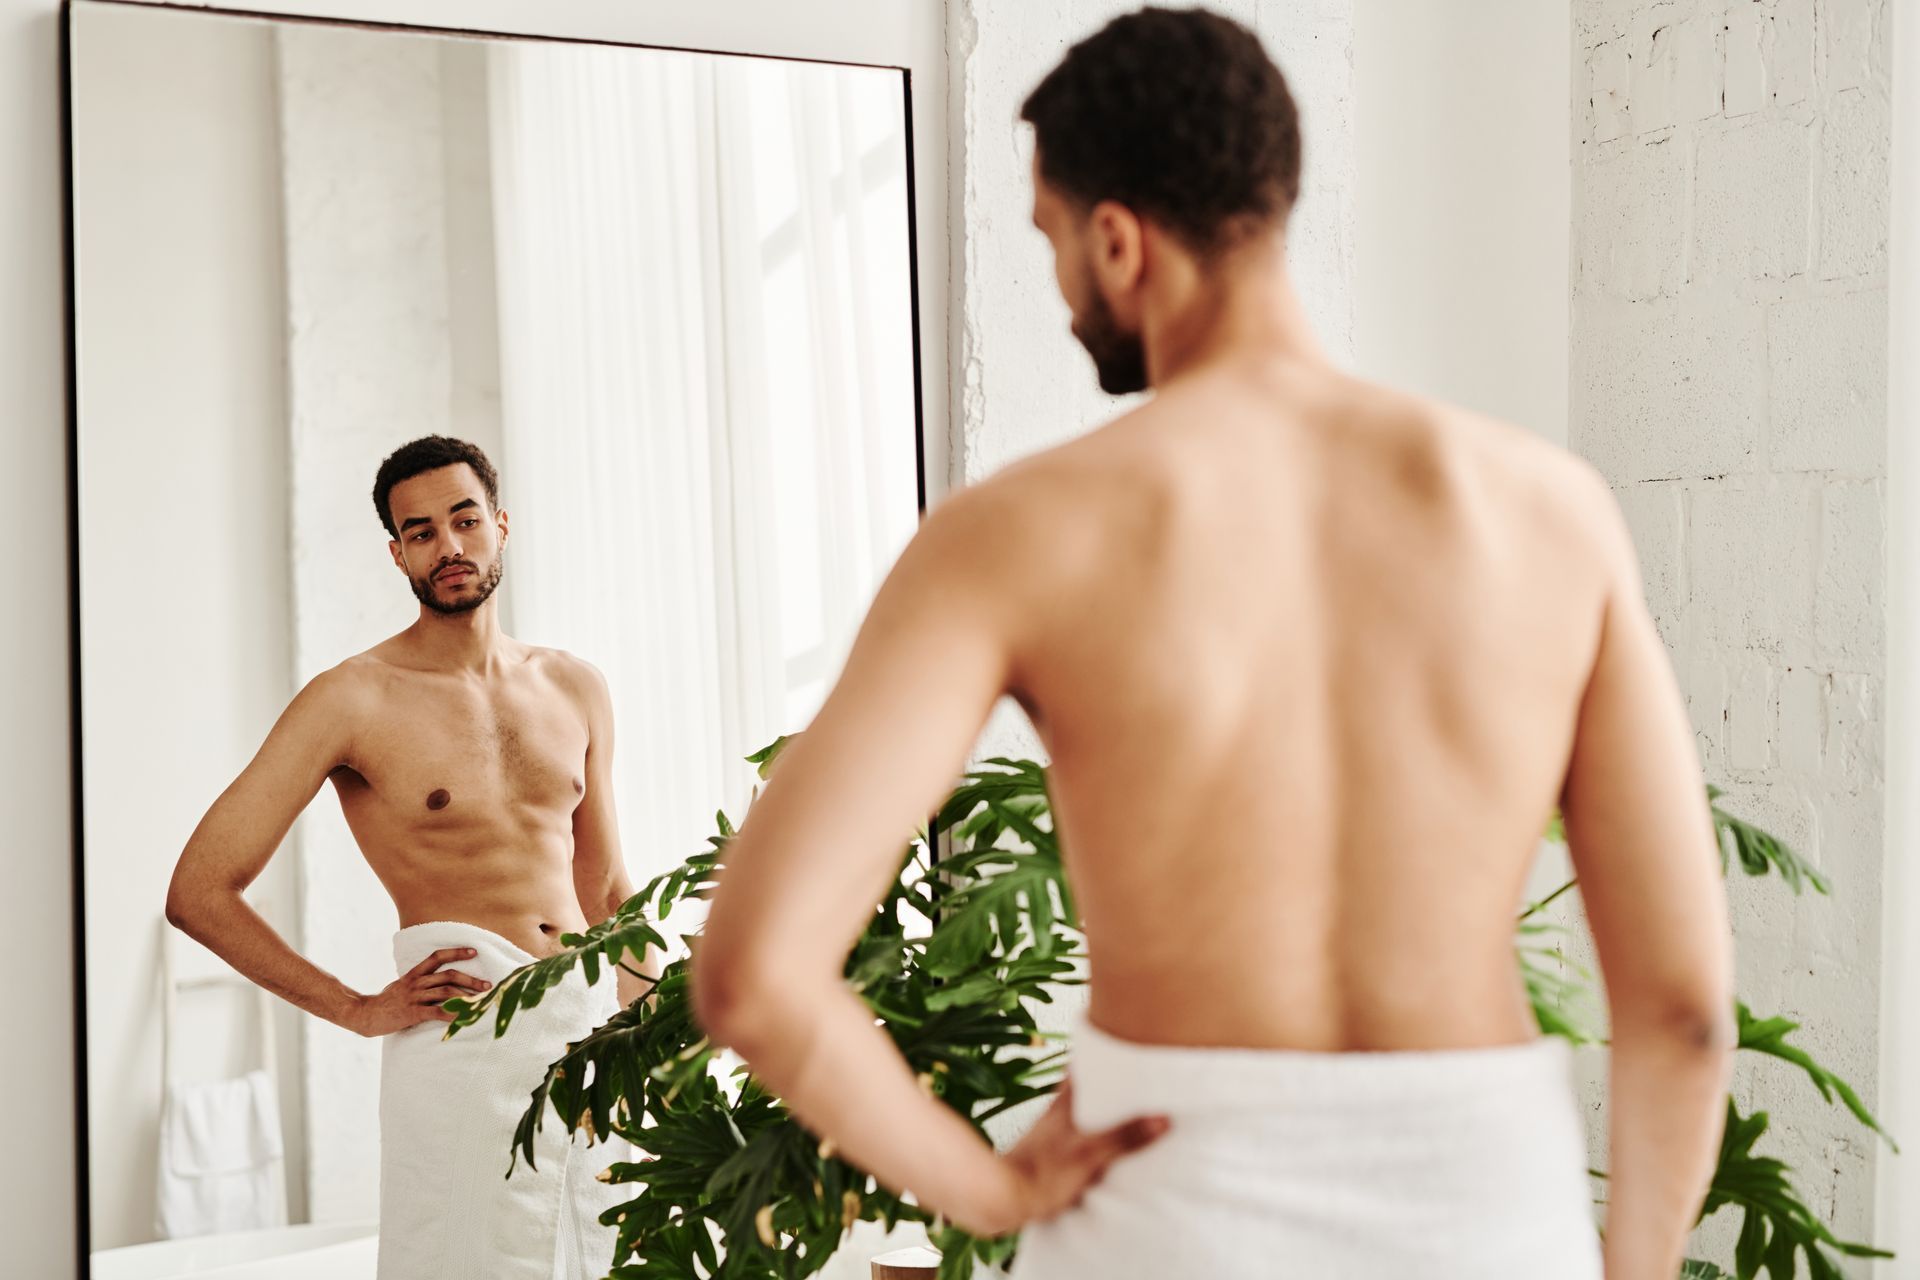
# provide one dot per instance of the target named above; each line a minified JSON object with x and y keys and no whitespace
{"x":992,"y":1204}
{"x":347,"y":1013}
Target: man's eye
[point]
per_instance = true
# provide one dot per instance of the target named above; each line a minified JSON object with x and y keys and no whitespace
{"x":422,"y":536}
{"x":469,"y":523}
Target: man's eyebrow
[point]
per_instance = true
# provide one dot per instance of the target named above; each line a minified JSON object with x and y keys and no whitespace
{"x":461,"y":505}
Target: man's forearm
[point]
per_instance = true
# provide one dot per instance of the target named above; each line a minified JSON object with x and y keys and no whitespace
{"x":602,"y":904}
{"x":1668,"y":1106}
{"x":228,"y":926}
{"x":820,"y":1053}
{"x":604,"y":900}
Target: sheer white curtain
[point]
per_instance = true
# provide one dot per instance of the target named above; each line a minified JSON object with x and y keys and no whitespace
{"x":839,"y":317}
{"x":708,"y":441}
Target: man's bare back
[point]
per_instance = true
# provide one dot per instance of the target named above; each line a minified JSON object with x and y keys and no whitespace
{"x":1301,"y":771}
{"x":1313,"y":662}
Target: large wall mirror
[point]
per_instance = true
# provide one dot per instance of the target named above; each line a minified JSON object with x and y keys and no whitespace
{"x":669,"y":293}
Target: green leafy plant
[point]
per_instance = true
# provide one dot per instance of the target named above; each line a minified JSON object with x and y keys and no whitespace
{"x":956,"y":957}
{"x":1777,"y":1226}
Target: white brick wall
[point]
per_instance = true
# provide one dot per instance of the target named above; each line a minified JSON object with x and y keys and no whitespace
{"x":1729,"y":322}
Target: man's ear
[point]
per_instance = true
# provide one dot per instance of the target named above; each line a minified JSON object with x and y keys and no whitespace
{"x":500,"y":523}
{"x":1117,"y":250}
{"x":393,"y":549}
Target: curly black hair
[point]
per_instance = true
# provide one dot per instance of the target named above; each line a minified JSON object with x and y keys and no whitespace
{"x":429,"y":453}
{"x":1180,"y":115}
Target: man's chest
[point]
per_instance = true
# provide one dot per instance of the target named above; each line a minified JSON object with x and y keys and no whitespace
{"x":455,"y":750}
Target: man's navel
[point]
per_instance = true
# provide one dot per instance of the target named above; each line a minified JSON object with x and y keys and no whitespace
{"x":439,"y":799}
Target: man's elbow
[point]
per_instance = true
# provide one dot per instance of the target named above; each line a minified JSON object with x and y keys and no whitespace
{"x":1699,"y":1022}
{"x":179,"y":907}
{"x":730,"y":996}
{"x":190,"y":900}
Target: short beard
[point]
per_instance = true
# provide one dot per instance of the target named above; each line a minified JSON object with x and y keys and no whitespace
{"x":423,"y":590}
{"x":1119,"y":358}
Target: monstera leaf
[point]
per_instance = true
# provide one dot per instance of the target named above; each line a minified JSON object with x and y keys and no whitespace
{"x":1776,"y":1225}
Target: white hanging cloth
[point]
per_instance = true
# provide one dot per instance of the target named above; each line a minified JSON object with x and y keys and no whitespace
{"x":222,"y":1158}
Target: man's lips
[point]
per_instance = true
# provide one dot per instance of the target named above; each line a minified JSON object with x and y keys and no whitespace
{"x":458,"y":573}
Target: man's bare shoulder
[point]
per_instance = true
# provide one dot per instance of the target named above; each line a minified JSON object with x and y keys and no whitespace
{"x":351,"y":679}
{"x":579,"y":678}
{"x":1038,"y":517}
{"x":565,"y":665}
{"x":338,"y":699}
{"x":1536,"y":481}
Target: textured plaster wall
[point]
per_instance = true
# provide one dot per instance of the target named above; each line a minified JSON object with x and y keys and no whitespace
{"x":1729,"y":374}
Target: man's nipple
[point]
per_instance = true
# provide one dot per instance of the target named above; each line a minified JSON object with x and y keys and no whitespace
{"x":439,"y":800}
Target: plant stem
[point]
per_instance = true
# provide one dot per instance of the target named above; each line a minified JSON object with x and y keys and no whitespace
{"x":1541,"y":905}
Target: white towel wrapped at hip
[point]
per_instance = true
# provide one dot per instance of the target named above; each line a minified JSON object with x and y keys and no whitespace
{"x":1455,"y":1164}
{"x":448,"y":1110}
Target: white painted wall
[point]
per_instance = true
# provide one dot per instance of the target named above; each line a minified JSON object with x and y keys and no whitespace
{"x":183,"y":517}
{"x":1898,"y":1178}
{"x":38,"y":1201}
{"x":1462,"y":190}
{"x":38,"y":1204}
{"x":1729,"y":376}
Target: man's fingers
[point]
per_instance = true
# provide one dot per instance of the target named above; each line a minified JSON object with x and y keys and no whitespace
{"x":453,"y":977}
{"x":445,"y":955}
{"x":1124,"y":1139}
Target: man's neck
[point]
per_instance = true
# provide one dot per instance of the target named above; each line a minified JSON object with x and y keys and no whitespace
{"x":471,"y":641}
{"x":1244,"y":307}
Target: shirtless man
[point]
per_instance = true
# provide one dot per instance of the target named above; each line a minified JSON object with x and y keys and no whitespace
{"x":1313,"y":661}
{"x":475,"y":773}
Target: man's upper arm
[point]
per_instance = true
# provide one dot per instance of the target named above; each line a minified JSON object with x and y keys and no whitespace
{"x":246,"y":824}
{"x":1637,"y":821}
{"x":598,"y":867}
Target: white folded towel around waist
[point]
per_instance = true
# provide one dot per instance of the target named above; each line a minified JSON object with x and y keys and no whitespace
{"x":1455,"y":1164}
{"x":448,"y":1110}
